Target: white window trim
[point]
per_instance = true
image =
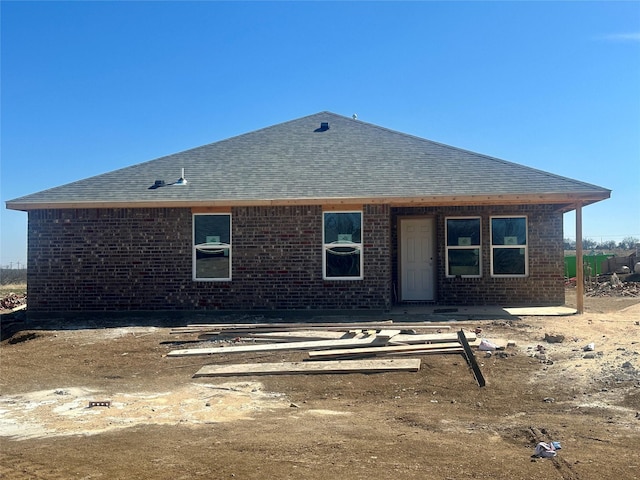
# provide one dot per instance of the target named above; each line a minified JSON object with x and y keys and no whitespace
{"x":207,"y":246}
{"x":525,"y":247}
{"x":448,"y":247}
{"x":328,"y":246}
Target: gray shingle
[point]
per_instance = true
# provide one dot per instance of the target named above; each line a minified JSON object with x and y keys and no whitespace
{"x":296,"y":161}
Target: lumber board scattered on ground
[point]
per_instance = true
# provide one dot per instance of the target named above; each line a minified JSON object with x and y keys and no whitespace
{"x":435,"y":351}
{"x":432,"y":347}
{"x":385,"y":334}
{"x":430,"y":338}
{"x":331,"y":326}
{"x":300,"y":336}
{"x":471,"y":359}
{"x":347,"y":343}
{"x":335,"y":366}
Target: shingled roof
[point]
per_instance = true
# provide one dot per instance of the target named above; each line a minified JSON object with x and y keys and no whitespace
{"x":321,"y":158}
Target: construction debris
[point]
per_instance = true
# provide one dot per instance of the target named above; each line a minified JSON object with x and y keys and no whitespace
{"x":452,"y":347}
{"x":471,"y":359}
{"x":241,"y":328}
{"x":613,"y":288}
{"x":333,"y":347}
{"x":367,"y":341}
{"x":13,"y":301}
{"x":336,"y":366}
{"x":381,"y":338}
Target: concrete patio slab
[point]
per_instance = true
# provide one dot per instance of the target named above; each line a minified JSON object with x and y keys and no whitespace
{"x":481,"y":310}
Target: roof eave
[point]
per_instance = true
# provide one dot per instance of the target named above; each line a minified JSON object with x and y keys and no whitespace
{"x":568,"y":200}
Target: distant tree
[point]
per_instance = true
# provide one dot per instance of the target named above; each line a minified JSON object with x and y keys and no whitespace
{"x":608,"y":245}
{"x":13,"y":276}
{"x":628,"y":243}
{"x":588,"y":243}
{"x":569,"y":244}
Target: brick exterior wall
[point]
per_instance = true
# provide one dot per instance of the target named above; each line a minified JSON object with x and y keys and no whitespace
{"x":141,"y":259}
{"x":543,"y":286}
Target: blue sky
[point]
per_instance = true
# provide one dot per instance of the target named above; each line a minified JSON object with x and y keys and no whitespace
{"x":89,"y":87}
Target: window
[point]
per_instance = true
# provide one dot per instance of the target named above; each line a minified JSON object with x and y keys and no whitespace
{"x":342,"y":245}
{"x":463,"y":247}
{"x":212,"y":246}
{"x":509,"y":249}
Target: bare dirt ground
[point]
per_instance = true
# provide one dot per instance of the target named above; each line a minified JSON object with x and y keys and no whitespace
{"x":433,"y":424}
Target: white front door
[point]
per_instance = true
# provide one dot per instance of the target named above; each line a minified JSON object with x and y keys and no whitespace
{"x":417,"y":259}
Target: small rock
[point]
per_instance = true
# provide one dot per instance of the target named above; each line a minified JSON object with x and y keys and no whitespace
{"x":553,"y":338}
{"x":293,"y":405}
{"x":548,"y":399}
{"x":589,"y":355}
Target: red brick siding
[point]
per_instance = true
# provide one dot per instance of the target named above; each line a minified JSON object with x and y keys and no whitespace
{"x":543,"y":286}
{"x":140,"y":259}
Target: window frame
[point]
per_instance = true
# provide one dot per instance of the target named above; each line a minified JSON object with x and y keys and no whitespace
{"x":216,"y":245}
{"x":327,"y":246}
{"x":448,"y":247}
{"x":524,"y":247}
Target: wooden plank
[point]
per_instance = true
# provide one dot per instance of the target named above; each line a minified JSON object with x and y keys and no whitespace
{"x":382,"y":349}
{"x":358,"y":342}
{"x":387,"y":334}
{"x":471,"y":359}
{"x":430,"y":338}
{"x":303,"y":325}
{"x":334,"y":366}
{"x":257,"y":332}
{"x":197,"y":328}
{"x":579,"y":262}
{"x":300,"y":336}
{"x":435,"y":351}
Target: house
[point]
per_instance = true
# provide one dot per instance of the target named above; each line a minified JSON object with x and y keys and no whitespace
{"x":324,"y":212}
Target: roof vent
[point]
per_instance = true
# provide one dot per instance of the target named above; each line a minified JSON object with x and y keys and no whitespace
{"x":157,"y":184}
{"x":324,"y":126}
{"x":181,"y":180}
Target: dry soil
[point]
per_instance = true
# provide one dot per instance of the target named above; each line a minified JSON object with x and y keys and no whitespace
{"x":433,"y":424}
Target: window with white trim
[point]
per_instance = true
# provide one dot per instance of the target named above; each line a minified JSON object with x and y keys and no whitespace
{"x":342,"y":245}
{"x":463,"y":240}
{"x":509,"y":247}
{"x":212,"y":246}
